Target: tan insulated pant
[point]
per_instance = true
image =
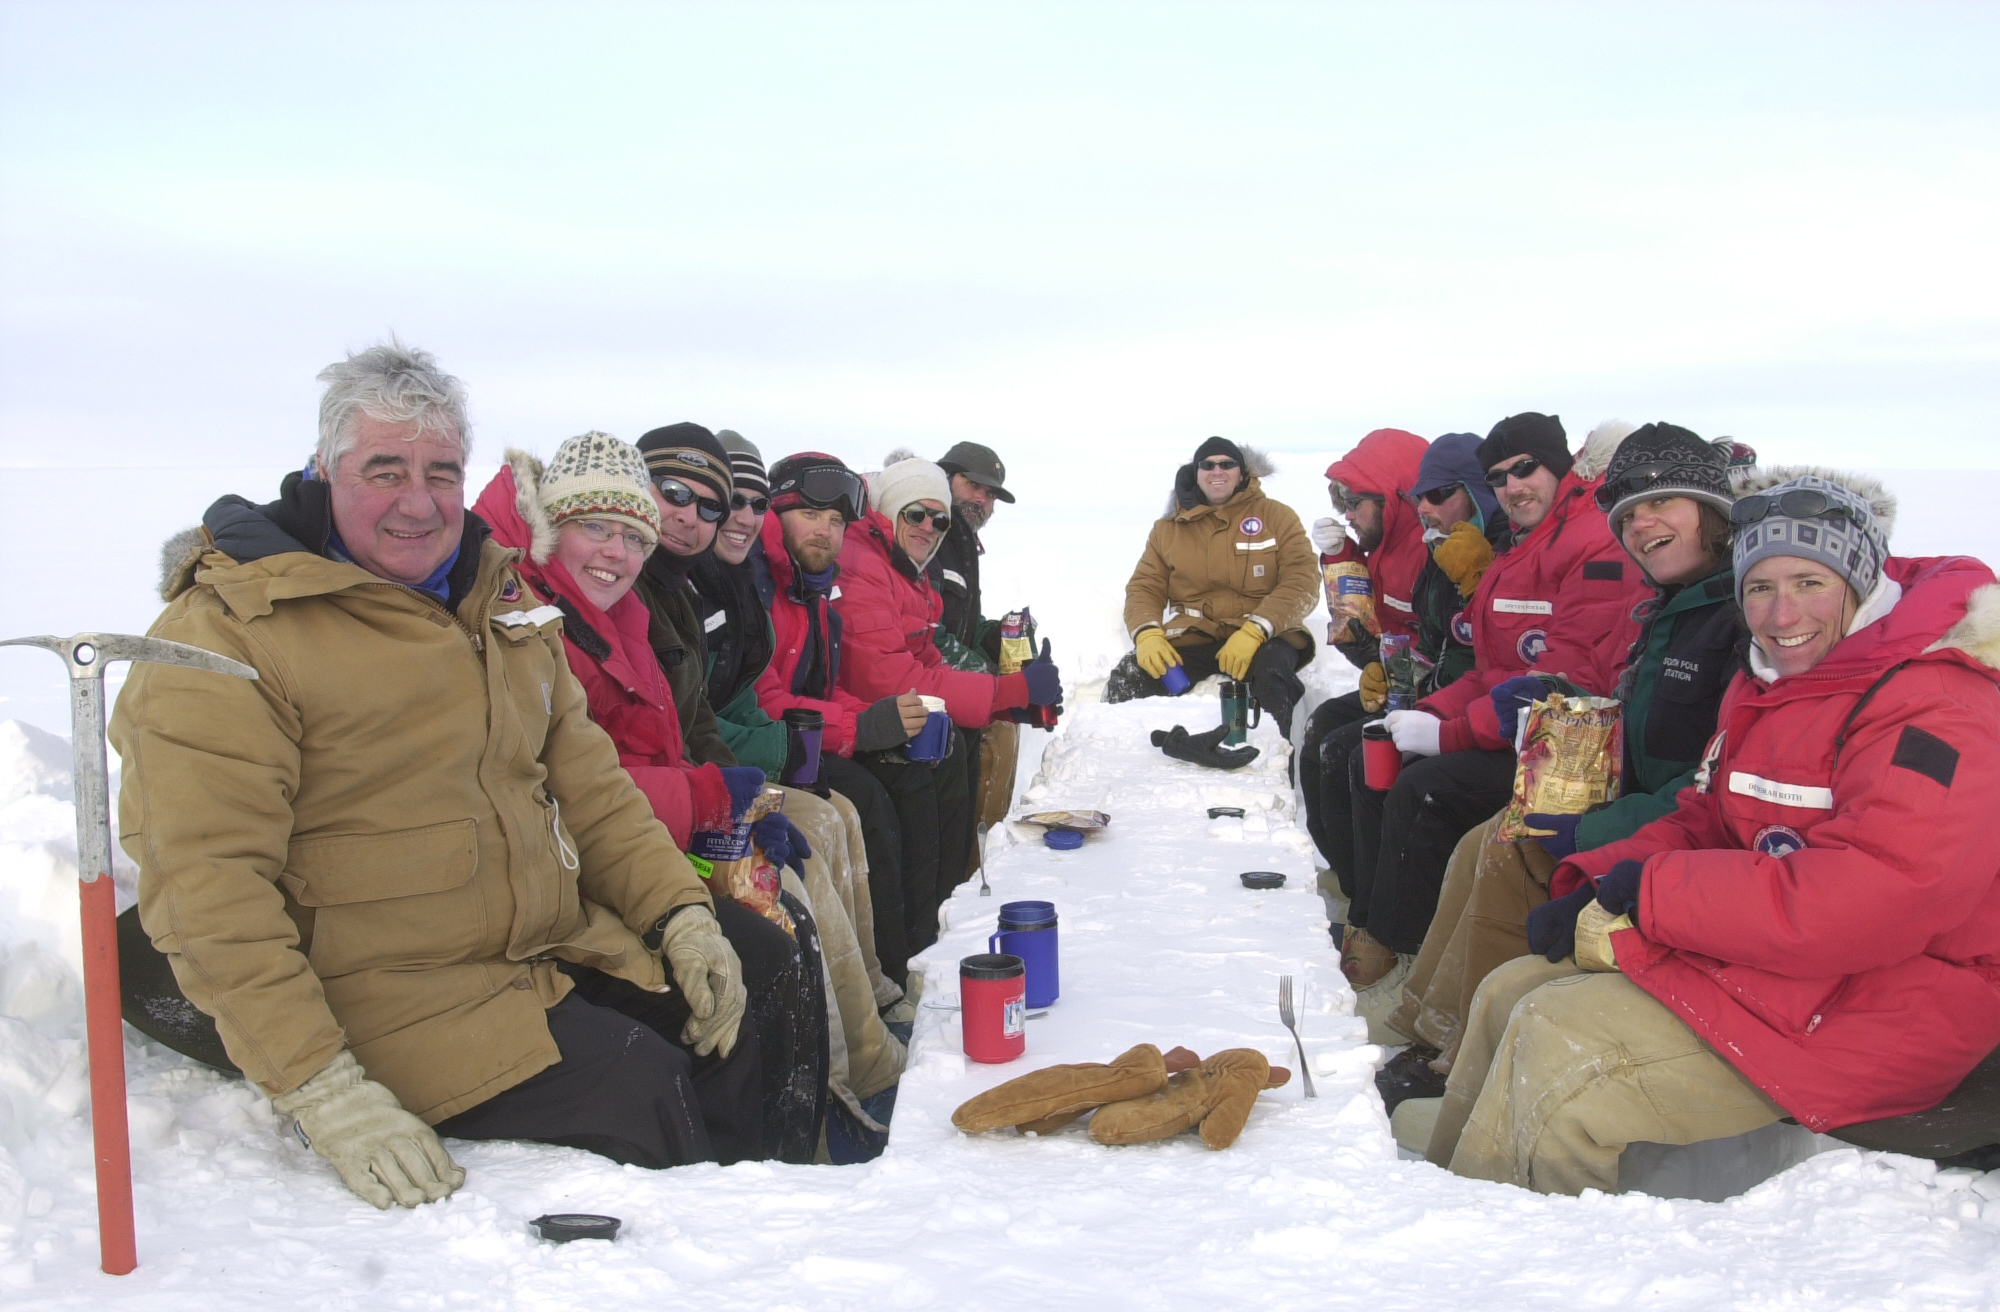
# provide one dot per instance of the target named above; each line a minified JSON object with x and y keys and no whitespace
{"x":1482,"y":918}
{"x":999,"y":751}
{"x":1559,"y":1070}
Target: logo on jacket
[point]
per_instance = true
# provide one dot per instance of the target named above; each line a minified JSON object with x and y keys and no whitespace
{"x":1777,"y":840}
{"x":510,"y":590}
{"x":1532,"y":644}
{"x":1461,"y":628}
{"x":1251,"y":525}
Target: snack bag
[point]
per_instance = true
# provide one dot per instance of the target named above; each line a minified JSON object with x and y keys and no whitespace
{"x":1017,"y":648}
{"x":750,"y":879}
{"x":1406,"y":669}
{"x":1572,"y":759}
{"x":1350,"y":597}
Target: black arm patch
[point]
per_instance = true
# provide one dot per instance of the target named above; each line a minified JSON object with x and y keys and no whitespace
{"x":1927,"y":754}
{"x":1604,"y":569}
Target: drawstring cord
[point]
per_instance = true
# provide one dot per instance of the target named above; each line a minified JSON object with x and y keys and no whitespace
{"x":564,"y":851}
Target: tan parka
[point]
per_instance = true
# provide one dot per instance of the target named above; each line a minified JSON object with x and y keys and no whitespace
{"x":387,"y":840}
{"x":1208,"y":569}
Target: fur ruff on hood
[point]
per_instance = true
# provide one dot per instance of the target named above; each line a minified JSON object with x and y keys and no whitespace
{"x":1879,"y":498}
{"x":178,"y":555}
{"x":1256,"y":464}
{"x":528,"y":504}
{"x":1978,"y":634}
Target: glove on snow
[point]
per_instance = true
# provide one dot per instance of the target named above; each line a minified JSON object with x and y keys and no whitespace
{"x":706,"y":968}
{"x":781,"y":842}
{"x":1594,"y":928}
{"x":1217,"y":1096}
{"x":1415,"y":731}
{"x":1155,"y":652}
{"x":1329,"y":537}
{"x":1560,"y":844}
{"x":1234,"y":658}
{"x":1054,"y":1096}
{"x":1618,"y":890}
{"x":1374,"y":687}
{"x":1463,"y":556}
{"x":1044,"y":681}
{"x":744,"y":782}
{"x":1203,"y":748}
{"x":1552,"y":925}
{"x":383,"y":1153}
{"x":1511,"y":697}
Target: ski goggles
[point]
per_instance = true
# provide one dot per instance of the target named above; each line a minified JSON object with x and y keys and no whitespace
{"x":914,"y":516}
{"x":1346,"y":500}
{"x":678,"y":494}
{"x":824,"y":487}
{"x":1799,"y":503}
{"x":1497,"y":478}
{"x":1640,"y":479}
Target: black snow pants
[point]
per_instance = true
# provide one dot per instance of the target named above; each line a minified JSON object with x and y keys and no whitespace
{"x":1274,"y":677}
{"x":882,"y":835}
{"x":1404,"y":837}
{"x":1333,"y":734}
{"x":933,"y":802}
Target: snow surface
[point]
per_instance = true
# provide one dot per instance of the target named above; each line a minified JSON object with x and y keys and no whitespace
{"x":1313,"y":1207}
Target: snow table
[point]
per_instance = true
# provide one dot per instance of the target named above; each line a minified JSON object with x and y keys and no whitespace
{"x":1963,"y":1130}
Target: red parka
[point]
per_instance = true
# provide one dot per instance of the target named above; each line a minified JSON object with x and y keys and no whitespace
{"x":1386,"y":463}
{"x":777,"y":685}
{"x":622,"y":682}
{"x":1560,"y":601}
{"x":888,"y":609}
{"x":1824,"y":906}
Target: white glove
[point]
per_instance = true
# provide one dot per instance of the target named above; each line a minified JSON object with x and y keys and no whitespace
{"x":706,"y":968}
{"x":1415,"y":731}
{"x":382,"y":1152}
{"x":1328,"y":534}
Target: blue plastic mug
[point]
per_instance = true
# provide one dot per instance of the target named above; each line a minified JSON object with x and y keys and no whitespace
{"x":1176,"y":680}
{"x":1028,"y":931}
{"x":933,"y":741}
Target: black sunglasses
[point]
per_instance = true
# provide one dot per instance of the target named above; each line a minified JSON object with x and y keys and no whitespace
{"x":758,"y":505}
{"x":1639,"y":478}
{"x":1437,"y":496}
{"x":1800,"y":503}
{"x":1218,"y":464}
{"x":915,"y":515}
{"x":677,"y":493}
{"x":1497,"y":478}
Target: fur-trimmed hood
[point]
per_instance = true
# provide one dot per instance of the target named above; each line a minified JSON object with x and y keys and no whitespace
{"x":1256,"y":464}
{"x":528,"y":504}
{"x":1978,"y":634}
{"x":1879,"y":498}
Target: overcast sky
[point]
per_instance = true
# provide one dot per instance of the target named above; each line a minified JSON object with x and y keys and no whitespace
{"x":1088,"y":233}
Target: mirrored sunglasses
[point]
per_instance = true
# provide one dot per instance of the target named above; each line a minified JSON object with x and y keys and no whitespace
{"x":679,"y":494}
{"x":1799,"y":503}
{"x":1497,"y":478}
{"x":916,"y":515}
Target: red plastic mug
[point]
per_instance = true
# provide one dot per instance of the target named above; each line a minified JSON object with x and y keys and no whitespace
{"x":993,"y":1006}
{"x":1381,"y":762}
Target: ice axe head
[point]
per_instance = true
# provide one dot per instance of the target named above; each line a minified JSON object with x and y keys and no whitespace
{"x":87,"y":654}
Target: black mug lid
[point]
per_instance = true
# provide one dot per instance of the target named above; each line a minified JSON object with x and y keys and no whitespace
{"x":1377,"y":730}
{"x":804,"y":717}
{"x":991,"y":965}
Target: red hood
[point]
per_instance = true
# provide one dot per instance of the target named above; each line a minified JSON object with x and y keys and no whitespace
{"x":1386,"y":463}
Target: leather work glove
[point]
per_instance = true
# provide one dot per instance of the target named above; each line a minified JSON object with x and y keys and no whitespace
{"x":706,"y":968}
{"x":1052,"y":1097}
{"x":1234,"y":658}
{"x":1594,"y":928}
{"x":382,"y":1152}
{"x":1217,"y":1096}
{"x":1512,"y":697}
{"x":1374,"y":687}
{"x":1618,"y":890}
{"x":1203,"y":748}
{"x":1552,"y":925}
{"x":1155,"y":652}
{"x":1415,"y":731}
{"x":744,"y":783}
{"x":1463,"y":556}
{"x":781,"y":842}
{"x":1044,"y":680}
{"x":1561,"y":843}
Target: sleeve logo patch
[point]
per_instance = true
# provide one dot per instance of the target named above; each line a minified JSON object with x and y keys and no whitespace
{"x":1251,"y":526}
{"x":1531,"y":645}
{"x":1778,"y":840}
{"x":511,"y":589}
{"x":1461,"y":629}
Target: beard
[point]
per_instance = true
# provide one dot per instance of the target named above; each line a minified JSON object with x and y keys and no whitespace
{"x":972,"y":513}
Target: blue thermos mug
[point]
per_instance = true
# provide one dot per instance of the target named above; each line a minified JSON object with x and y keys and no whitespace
{"x":1028,"y":931}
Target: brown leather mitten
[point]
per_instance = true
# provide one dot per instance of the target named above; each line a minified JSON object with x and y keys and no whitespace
{"x":1057,"y":1095}
{"x":1236,"y":1077}
{"x":1179,"y":1106}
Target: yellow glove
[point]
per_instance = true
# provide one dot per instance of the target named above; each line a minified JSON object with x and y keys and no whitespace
{"x":1374,"y":687}
{"x":1234,"y":658}
{"x":1464,"y":556}
{"x":1155,"y":652}
{"x":1594,"y":928}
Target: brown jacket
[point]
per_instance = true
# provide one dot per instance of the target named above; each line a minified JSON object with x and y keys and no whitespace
{"x":1207,"y":569}
{"x":386,"y":841}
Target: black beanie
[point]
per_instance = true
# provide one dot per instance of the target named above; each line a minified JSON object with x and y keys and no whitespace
{"x":677,"y":451}
{"x":1528,"y":434}
{"x":1220,"y":446}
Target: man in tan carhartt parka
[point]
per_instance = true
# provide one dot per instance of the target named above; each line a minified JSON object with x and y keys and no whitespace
{"x":367,"y":864}
{"x":1225,"y":570}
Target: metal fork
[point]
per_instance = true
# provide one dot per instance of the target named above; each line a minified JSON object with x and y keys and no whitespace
{"x":985,"y":889}
{"x":1286,"y":1015}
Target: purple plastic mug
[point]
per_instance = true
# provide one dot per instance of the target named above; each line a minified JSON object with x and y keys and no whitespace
{"x":1176,"y":680}
{"x":810,"y":725}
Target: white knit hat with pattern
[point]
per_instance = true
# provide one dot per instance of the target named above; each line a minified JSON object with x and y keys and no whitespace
{"x":593,"y":476}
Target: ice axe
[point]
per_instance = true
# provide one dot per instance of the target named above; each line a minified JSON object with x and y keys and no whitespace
{"x":87,"y":654}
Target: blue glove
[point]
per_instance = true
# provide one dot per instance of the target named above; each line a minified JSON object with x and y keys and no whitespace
{"x":1552,"y":925}
{"x":744,"y":783}
{"x":1618,"y":890}
{"x":781,"y":842}
{"x":1513,"y":697}
{"x":1044,"y":683}
{"x":1561,"y":843}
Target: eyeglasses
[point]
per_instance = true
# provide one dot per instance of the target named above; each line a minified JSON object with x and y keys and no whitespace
{"x":1346,"y":500}
{"x":1497,"y":478}
{"x":757,"y":505}
{"x":1639,"y":478}
{"x":1218,"y":464}
{"x":601,"y":531}
{"x":1799,"y":503}
{"x":916,"y":515}
{"x":677,"y":493}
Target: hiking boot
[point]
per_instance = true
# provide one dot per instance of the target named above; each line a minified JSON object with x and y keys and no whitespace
{"x":1408,"y":1075}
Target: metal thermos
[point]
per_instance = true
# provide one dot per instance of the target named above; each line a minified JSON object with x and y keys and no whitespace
{"x":1240,"y":712}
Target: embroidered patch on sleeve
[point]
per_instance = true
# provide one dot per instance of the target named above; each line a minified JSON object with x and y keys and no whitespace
{"x":1604,"y":569}
{"x":1927,"y":754}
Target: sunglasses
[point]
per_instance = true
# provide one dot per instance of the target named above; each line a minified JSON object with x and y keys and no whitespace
{"x":678,"y":494}
{"x":757,"y":505}
{"x":1218,"y":464}
{"x":1497,"y":478}
{"x":1437,"y":496}
{"x":916,"y":515}
{"x":1638,"y":479}
{"x":1347,"y":501}
{"x":1800,"y":503}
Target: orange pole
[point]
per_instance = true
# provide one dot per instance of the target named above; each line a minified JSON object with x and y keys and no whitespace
{"x":118,"y":1245}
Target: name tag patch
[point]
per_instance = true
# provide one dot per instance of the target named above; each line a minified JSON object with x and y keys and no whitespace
{"x":539,"y":616}
{"x":1804,"y":796}
{"x":1266,"y":545}
{"x":953,"y":576}
{"x":715,"y":621}
{"x":1509,"y":606}
{"x":1397,"y":603}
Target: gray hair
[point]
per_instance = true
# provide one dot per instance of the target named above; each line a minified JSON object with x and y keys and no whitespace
{"x":392,"y":382}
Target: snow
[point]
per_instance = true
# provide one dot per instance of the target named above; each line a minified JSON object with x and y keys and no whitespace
{"x":1313,"y":1207}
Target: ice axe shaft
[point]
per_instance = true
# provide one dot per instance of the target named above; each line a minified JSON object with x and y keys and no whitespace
{"x":87,"y":654}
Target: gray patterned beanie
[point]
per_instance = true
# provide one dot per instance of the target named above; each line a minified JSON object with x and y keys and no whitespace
{"x":1816,"y":519}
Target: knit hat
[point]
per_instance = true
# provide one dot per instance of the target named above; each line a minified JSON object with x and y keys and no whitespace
{"x":905,"y":482}
{"x":817,"y":480}
{"x":594,"y":476}
{"x":746,"y":463}
{"x":1665,"y":460}
{"x":690,"y":453}
{"x":1221,"y":446}
{"x":1451,"y":459}
{"x":1826,"y":522}
{"x":1528,"y":434}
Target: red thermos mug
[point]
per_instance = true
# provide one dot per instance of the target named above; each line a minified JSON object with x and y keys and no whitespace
{"x":1381,"y":762}
{"x":993,"y":1006}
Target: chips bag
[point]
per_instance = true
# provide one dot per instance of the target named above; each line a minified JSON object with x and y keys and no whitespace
{"x":1350,"y":596}
{"x":751,"y":879}
{"x":1572,"y":760}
